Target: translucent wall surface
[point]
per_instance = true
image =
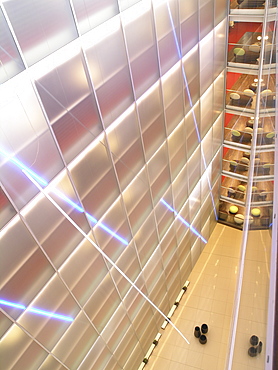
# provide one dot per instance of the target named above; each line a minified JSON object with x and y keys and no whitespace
{"x":115,"y":109}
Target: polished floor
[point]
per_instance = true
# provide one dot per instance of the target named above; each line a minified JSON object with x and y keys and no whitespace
{"x":210,"y":299}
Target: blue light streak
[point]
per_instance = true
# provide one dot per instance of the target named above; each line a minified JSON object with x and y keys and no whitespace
{"x":184,"y":221}
{"x":191,"y":105}
{"x":36,"y":310}
{"x":24,"y":167}
{"x":41,"y":181}
{"x":12,"y":304}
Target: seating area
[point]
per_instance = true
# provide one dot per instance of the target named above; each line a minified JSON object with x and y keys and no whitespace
{"x":259,"y":194}
{"x":243,"y":99}
{"x":234,"y":215}
{"x":251,"y":4}
{"x":235,"y":188}
{"x":242,"y":91}
{"x":242,"y":136}
{"x":239,"y":130}
{"x":249,"y":121}
{"x":242,"y":165}
{"x":250,"y":54}
{"x":247,"y":45}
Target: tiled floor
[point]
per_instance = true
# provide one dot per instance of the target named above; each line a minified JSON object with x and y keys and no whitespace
{"x":210,"y":299}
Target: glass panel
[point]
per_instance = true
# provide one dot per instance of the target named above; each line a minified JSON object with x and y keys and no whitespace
{"x":140,"y":39}
{"x":181,"y":228}
{"x":153,"y":271}
{"x":167,"y":28}
{"x":125,"y":348}
{"x":92,"y":13}
{"x":138,"y":202}
{"x":102,"y":195}
{"x":146,"y":239}
{"x":180,"y":188}
{"x":151,"y":119}
{"x":194,"y":201}
{"x":54,"y":298}
{"x":124,"y":4}
{"x":56,"y":234}
{"x":194,"y":169}
{"x":83,"y":271}
{"x":24,"y":351}
{"x":129,"y":164}
{"x":24,"y":270}
{"x":172,"y":88}
{"x":7,"y":210}
{"x":98,"y":356}
{"x":190,"y":65}
{"x":11,"y":62}
{"x":65,"y":85}
{"x":168,"y":246}
{"x":206,"y":111}
{"x":51,"y":363}
{"x":192,"y":129}
{"x":90,"y":166}
{"x":77,"y":128}
{"x":39,"y":28}
{"x":217,"y":132}
{"x":158,"y":163}
{"x":164,"y":219}
{"x":76,"y":342}
{"x":103,"y":303}
{"x":119,"y":323}
{"x":206,"y":13}
{"x":220,"y":9}
{"x":218,"y":88}
{"x":206,"y":151}
{"x":109,"y":69}
{"x":113,"y":243}
{"x":206,"y":62}
{"x":177,"y":150}
{"x":29,"y":143}
{"x":123,"y":134}
{"x":130,"y":266}
{"x":190,"y":32}
{"x":220,"y":51}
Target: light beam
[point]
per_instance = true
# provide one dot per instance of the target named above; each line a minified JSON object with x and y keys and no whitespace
{"x":36,"y":310}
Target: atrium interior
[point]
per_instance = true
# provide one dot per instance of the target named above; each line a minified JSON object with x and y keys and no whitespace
{"x":138,"y":184}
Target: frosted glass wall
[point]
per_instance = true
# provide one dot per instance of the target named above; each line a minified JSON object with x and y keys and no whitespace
{"x":115,"y":108}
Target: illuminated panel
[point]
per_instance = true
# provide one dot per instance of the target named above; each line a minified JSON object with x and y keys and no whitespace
{"x":184,"y":221}
{"x":36,"y":310}
{"x":64,"y":197}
